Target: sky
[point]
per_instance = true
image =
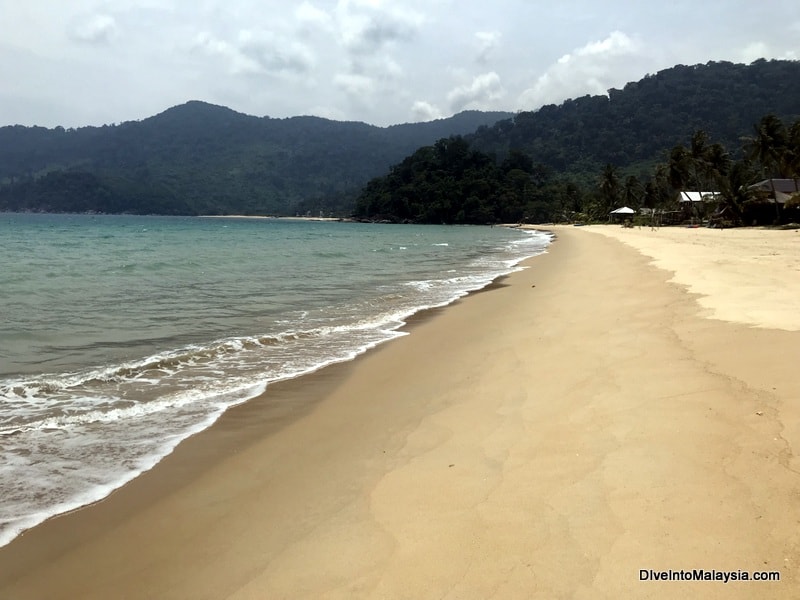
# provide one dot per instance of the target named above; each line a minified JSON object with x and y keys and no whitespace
{"x":93,"y":62}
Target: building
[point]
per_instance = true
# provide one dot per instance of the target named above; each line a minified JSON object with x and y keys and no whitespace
{"x":776,"y":190}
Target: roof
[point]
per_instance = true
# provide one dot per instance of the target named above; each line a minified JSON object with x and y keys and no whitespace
{"x":623,"y":211}
{"x":786,"y":186}
{"x":696,"y":196}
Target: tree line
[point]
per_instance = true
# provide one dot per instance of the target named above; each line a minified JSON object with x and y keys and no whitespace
{"x":452,"y":182}
{"x":772,"y":151}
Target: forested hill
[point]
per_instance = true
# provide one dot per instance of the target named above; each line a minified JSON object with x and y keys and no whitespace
{"x":587,"y":156}
{"x":199,"y":158}
{"x":643,"y":121}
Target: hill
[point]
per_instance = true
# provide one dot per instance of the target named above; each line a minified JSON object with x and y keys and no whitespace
{"x":199,"y":158}
{"x":640,"y":123}
{"x":594,"y":153}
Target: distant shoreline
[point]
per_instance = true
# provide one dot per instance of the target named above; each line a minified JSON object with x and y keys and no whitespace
{"x":275,"y":218}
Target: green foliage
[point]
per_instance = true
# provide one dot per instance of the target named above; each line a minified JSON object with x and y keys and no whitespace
{"x":203,"y":159}
{"x":705,"y":166}
{"x":451,"y":183}
{"x":645,"y":118}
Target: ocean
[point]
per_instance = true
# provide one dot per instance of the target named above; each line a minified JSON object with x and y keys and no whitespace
{"x":120,"y":336}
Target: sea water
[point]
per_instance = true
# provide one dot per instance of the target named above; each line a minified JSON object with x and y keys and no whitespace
{"x":120,"y":336}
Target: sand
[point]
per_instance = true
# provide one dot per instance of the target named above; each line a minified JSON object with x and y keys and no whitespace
{"x":749,"y":276}
{"x":554,"y":436}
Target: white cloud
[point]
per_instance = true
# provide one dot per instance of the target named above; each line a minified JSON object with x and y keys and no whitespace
{"x":259,"y":52}
{"x":359,"y":86}
{"x":309,"y":13}
{"x":756,"y":50}
{"x":425,"y":111}
{"x":487,"y":41}
{"x":366,"y":27}
{"x":364,"y":60}
{"x":590,"y":69}
{"x":96,"y":29}
{"x":616,"y":44}
{"x":481,"y":93}
{"x":274,"y":53}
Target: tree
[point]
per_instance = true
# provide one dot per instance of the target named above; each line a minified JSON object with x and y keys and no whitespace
{"x":735,"y":191}
{"x":679,"y":172}
{"x":768,"y":146}
{"x":632,"y":192}
{"x":793,"y":150}
{"x":609,"y":188}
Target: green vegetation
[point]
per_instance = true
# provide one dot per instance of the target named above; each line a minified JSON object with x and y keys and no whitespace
{"x":450,"y":183}
{"x":203,"y":159}
{"x":598,"y":153}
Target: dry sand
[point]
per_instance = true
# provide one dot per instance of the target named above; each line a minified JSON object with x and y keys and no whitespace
{"x":749,"y":276}
{"x":550,"y":437}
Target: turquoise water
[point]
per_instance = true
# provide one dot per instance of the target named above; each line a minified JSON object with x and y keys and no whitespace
{"x":121,"y":335}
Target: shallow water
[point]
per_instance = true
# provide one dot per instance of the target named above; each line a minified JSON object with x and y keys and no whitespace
{"x":122,"y":335}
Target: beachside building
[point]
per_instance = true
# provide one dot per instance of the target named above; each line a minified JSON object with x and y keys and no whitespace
{"x":774,"y":201}
{"x":695,"y":205}
{"x":776,"y":190}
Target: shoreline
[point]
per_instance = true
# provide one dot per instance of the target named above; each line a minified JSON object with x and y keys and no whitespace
{"x":332,"y":219}
{"x":550,"y":434}
{"x":420,"y":315}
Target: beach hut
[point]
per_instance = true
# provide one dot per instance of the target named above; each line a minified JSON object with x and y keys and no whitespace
{"x":694,"y":205}
{"x":623,"y":214}
{"x":771,"y":197}
{"x":777,"y":190}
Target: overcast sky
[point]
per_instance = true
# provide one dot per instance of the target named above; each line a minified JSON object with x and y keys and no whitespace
{"x":90,"y":62}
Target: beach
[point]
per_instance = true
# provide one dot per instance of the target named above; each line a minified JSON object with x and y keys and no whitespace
{"x":576,"y":430}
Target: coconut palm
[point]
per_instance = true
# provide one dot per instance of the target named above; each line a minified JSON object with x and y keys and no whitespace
{"x":717,"y":164}
{"x":632,"y":192}
{"x":793,"y":150}
{"x":768,"y":146}
{"x":735,"y":189}
{"x":679,"y":168}
{"x":609,"y":187}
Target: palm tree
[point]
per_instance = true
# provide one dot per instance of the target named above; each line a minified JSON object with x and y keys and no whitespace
{"x":793,"y":150}
{"x":735,"y":190}
{"x":678,"y":168}
{"x":632,"y":192}
{"x":768,"y":145}
{"x":717,"y":164}
{"x":609,"y":187}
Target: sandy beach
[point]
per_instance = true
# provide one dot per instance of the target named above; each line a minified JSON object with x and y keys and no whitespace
{"x":626,"y":407}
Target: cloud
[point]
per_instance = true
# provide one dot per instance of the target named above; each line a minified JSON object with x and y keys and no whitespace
{"x":359,"y":86}
{"x":424,"y":111}
{"x":366,"y":27}
{"x":96,"y":29}
{"x":591,"y":69}
{"x":487,"y":41}
{"x":308,"y":13}
{"x":479,"y":94}
{"x":260,"y":52}
{"x":274,"y":53}
{"x":756,"y":50}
